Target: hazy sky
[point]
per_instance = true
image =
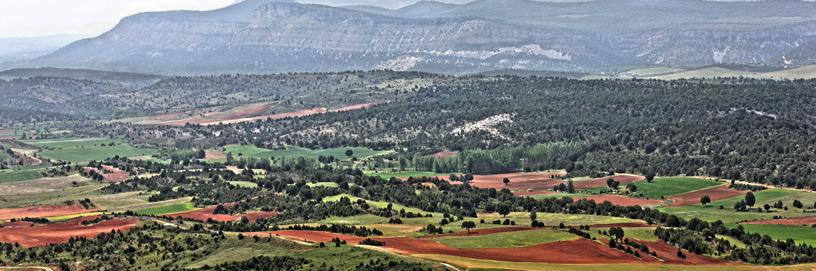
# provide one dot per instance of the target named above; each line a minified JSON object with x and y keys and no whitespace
{"x":29,"y":18}
{"x":82,"y":17}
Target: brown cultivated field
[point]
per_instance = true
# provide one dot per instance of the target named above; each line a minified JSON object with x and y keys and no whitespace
{"x":445,"y":154}
{"x":295,"y":114}
{"x":622,"y":200}
{"x":580,"y":251}
{"x":715,"y":193}
{"x":539,"y":183}
{"x":668,"y":254}
{"x":207,"y":214}
{"x":527,"y":183}
{"x":214,"y":155}
{"x":238,"y":114}
{"x":804,"y":221}
{"x":28,"y":234}
{"x":573,"y":252}
{"x":42,"y":211}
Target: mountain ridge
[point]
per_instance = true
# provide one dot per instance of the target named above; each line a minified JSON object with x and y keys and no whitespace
{"x":273,"y":36}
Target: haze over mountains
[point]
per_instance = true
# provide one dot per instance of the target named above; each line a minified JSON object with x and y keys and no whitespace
{"x":602,"y":36}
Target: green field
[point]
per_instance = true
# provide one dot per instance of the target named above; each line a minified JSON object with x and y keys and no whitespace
{"x":800,"y":234}
{"x":79,"y":150}
{"x":668,"y":186}
{"x":507,"y":239}
{"x":18,"y":175}
{"x":294,"y":151}
{"x":322,"y":184}
{"x":403,"y":174}
{"x":731,"y":217}
{"x":339,"y":258}
{"x":167,"y":209}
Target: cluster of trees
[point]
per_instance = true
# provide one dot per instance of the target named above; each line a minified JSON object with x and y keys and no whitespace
{"x":336,"y":228}
{"x":701,"y":237}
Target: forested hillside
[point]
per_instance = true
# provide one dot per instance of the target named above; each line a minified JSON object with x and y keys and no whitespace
{"x":741,"y":129}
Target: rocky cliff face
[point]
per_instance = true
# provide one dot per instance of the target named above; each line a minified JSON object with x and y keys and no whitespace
{"x":266,"y":36}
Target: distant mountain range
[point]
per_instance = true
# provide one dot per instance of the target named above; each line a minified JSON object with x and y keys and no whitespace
{"x":601,"y":36}
{"x":26,"y":48}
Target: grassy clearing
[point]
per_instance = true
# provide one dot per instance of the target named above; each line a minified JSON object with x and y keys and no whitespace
{"x":294,"y":151}
{"x":560,"y":195}
{"x":800,"y":234}
{"x":731,"y":217}
{"x":339,"y":258}
{"x":54,"y":197}
{"x":642,"y":234}
{"x":364,"y":219}
{"x":322,"y":184}
{"x":668,"y":186}
{"x":378,"y":204}
{"x":79,"y":150}
{"x":167,"y":209}
{"x":244,"y":184}
{"x":507,"y":239}
{"x":72,"y":216}
{"x":551,"y":219}
{"x":402,"y":174}
{"x":733,"y":241}
{"x":18,"y":175}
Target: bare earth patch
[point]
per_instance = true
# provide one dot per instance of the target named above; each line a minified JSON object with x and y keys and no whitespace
{"x":715,"y":193}
{"x":804,"y":221}
{"x":206,"y":214}
{"x":29,"y":234}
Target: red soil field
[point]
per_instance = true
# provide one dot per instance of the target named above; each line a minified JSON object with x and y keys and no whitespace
{"x":621,"y":200}
{"x":668,"y":254}
{"x":42,"y":211}
{"x":28,"y":234}
{"x":353,"y":107}
{"x":568,"y":252}
{"x":804,"y":221}
{"x":207,"y":213}
{"x":526,"y":183}
{"x":445,"y":154}
{"x":715,"y":193}
{"x":242,"y":111}
{"x":28,"y":160}
{"x":214,"y":155}
{"x":295,"y":114}
{"x":601,"y":182}
{"x":115,"y":175}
